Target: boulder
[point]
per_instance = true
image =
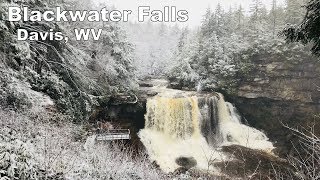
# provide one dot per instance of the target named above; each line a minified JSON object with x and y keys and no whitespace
{"x":186,"y":162}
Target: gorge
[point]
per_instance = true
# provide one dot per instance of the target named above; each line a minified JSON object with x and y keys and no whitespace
{"x":225,"y":98}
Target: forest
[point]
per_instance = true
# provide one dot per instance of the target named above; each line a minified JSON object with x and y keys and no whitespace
{"x":235,"y":97}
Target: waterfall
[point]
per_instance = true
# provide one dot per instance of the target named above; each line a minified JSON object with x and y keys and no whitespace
{"x":187,"y":124}
{"x":232,"y":131}
{"x":177,"y":117}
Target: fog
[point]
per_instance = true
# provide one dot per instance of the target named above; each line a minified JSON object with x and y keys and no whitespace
{"x":196,"y":9}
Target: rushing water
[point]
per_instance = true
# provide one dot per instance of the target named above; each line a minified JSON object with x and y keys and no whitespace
{"x":189,"y":124}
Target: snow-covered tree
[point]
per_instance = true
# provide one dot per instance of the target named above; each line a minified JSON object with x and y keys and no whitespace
{"x":294,"y":11}
{"x":308,"y":31}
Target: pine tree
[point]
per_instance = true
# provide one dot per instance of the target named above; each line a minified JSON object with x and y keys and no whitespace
{"x":219,"y":19}
{"x":256,"y":11}
{"x":274,"y":17}
{"x":294,"y":11}
{"x":308,"y":30}
{"x":206,"y":23}
{"x":230,"y":21}
{"x":207,"y":15}
{"x":240,"y":19}
{"x":183,"y":39}
{"x":163,"y":30}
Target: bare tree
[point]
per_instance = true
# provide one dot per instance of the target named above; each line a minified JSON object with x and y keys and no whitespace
{"x":306,"y":161}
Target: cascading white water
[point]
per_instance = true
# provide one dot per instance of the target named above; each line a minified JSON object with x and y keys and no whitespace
{"x":234,"y":132}
{"x":187,"y":124}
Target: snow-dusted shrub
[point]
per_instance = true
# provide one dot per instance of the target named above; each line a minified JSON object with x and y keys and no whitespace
{"x":17,"y":159}
{"x":43,"y":146}
{"x":16,"y":100}
{"x":112,"y":162}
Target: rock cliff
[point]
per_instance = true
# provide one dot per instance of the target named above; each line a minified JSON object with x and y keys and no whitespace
{"x":277,"y":90}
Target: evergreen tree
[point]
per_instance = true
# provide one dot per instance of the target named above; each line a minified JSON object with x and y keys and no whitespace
{"x":183,"y":39}
{"x":294,"y":11}
{"x":274,"y":17}
{"x":219,"y":20}
{"x":308,"y":31}
{"x":240,"y":18}
{"x":207,"y":21}
{"x":230,"y":21}
{"x":256,"y":10}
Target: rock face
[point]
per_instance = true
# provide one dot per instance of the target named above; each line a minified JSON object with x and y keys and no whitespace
{"x":283,"y":80}
{"x":278,"y":90}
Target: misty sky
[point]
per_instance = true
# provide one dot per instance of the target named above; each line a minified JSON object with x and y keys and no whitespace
{"x":196,"y":8}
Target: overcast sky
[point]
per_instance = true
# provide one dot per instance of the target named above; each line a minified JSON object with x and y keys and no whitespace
{"x":196,"y":8}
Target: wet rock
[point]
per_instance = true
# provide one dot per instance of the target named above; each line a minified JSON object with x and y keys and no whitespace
{"x":175,"y":85}
{"x":254,"y":164}
{"x":144,"y":84}
{"x":186,"y":162}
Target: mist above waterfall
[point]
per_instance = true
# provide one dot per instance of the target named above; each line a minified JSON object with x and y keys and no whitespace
{"x":188,"y":124}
